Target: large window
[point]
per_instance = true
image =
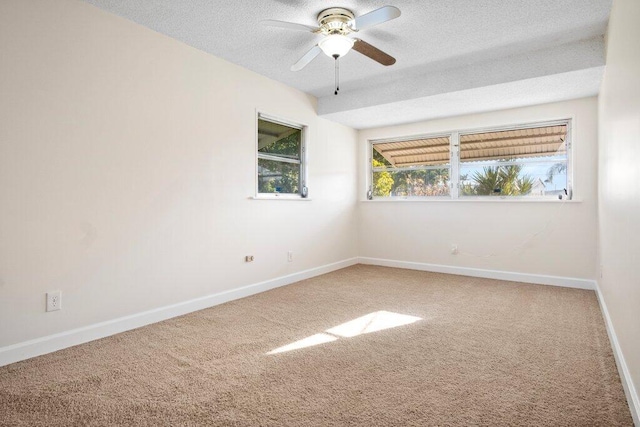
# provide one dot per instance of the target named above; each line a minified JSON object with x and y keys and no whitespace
{"x":280,"y":157}
{"x":530,"y":161}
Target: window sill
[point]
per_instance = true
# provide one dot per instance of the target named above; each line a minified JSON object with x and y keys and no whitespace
{"x":469,"y":200}
{"x":282,"y":197}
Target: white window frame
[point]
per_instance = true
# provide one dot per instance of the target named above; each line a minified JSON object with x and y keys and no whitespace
{"x":303,"y":159}
{"x":455,"y":164}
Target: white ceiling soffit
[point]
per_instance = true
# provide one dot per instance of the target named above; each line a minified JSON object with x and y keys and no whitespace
{"x":440,"y":46}
{"x":522,"y":93}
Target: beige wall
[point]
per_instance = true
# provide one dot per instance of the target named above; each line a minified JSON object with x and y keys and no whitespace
{"x":127,"y":160}
{"x":619,"y":190}
{"x":424,"y":231}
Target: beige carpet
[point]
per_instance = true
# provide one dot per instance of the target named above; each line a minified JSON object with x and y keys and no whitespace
{"x":455,"y":351}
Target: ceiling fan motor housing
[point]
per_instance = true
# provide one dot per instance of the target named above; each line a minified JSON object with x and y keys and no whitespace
{"x":336,"y":20}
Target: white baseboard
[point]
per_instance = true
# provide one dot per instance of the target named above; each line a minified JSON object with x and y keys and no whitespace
{"x":623,"y":369}
{"x":540,"y":279}
{"x":39,"y":346}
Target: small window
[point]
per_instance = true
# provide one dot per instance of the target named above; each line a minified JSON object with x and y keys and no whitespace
{"x":417,"y":167}
{"x":280,"y":157}
{"x":530,"y":162}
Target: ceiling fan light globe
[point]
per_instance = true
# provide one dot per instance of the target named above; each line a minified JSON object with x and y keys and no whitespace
{"x":336,"y":45}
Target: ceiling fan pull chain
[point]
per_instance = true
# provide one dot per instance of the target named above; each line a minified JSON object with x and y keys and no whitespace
{"x":337,"y":74}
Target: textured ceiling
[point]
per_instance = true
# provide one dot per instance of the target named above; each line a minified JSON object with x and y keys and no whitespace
{"x":441,"y":46}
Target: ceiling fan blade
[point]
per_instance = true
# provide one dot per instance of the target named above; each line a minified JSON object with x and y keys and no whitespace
{"x":288,"y":25}
{"x":308,"y":57}
{"x":375,"y":17}
{"x":373,"y":52}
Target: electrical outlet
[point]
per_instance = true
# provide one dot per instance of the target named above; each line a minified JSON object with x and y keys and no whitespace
{"x":290,"y":256}
{"x":454,"y":249}
{"x":248,"y":258}
{"x":54,"y":300}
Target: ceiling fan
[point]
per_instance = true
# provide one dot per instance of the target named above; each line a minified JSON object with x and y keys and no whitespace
{"x":336,"y":24}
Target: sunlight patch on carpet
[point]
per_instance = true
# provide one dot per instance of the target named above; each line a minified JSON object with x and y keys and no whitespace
{"x":305,"y":342}
{"x":372,"y":322}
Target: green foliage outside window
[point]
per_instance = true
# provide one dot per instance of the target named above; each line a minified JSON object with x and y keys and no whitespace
{"x":278,"y":177}
{"x":286,"y":147}
{"x":407,"y":182}
{"x":497,"y":181}
{"x":382,"y":181}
